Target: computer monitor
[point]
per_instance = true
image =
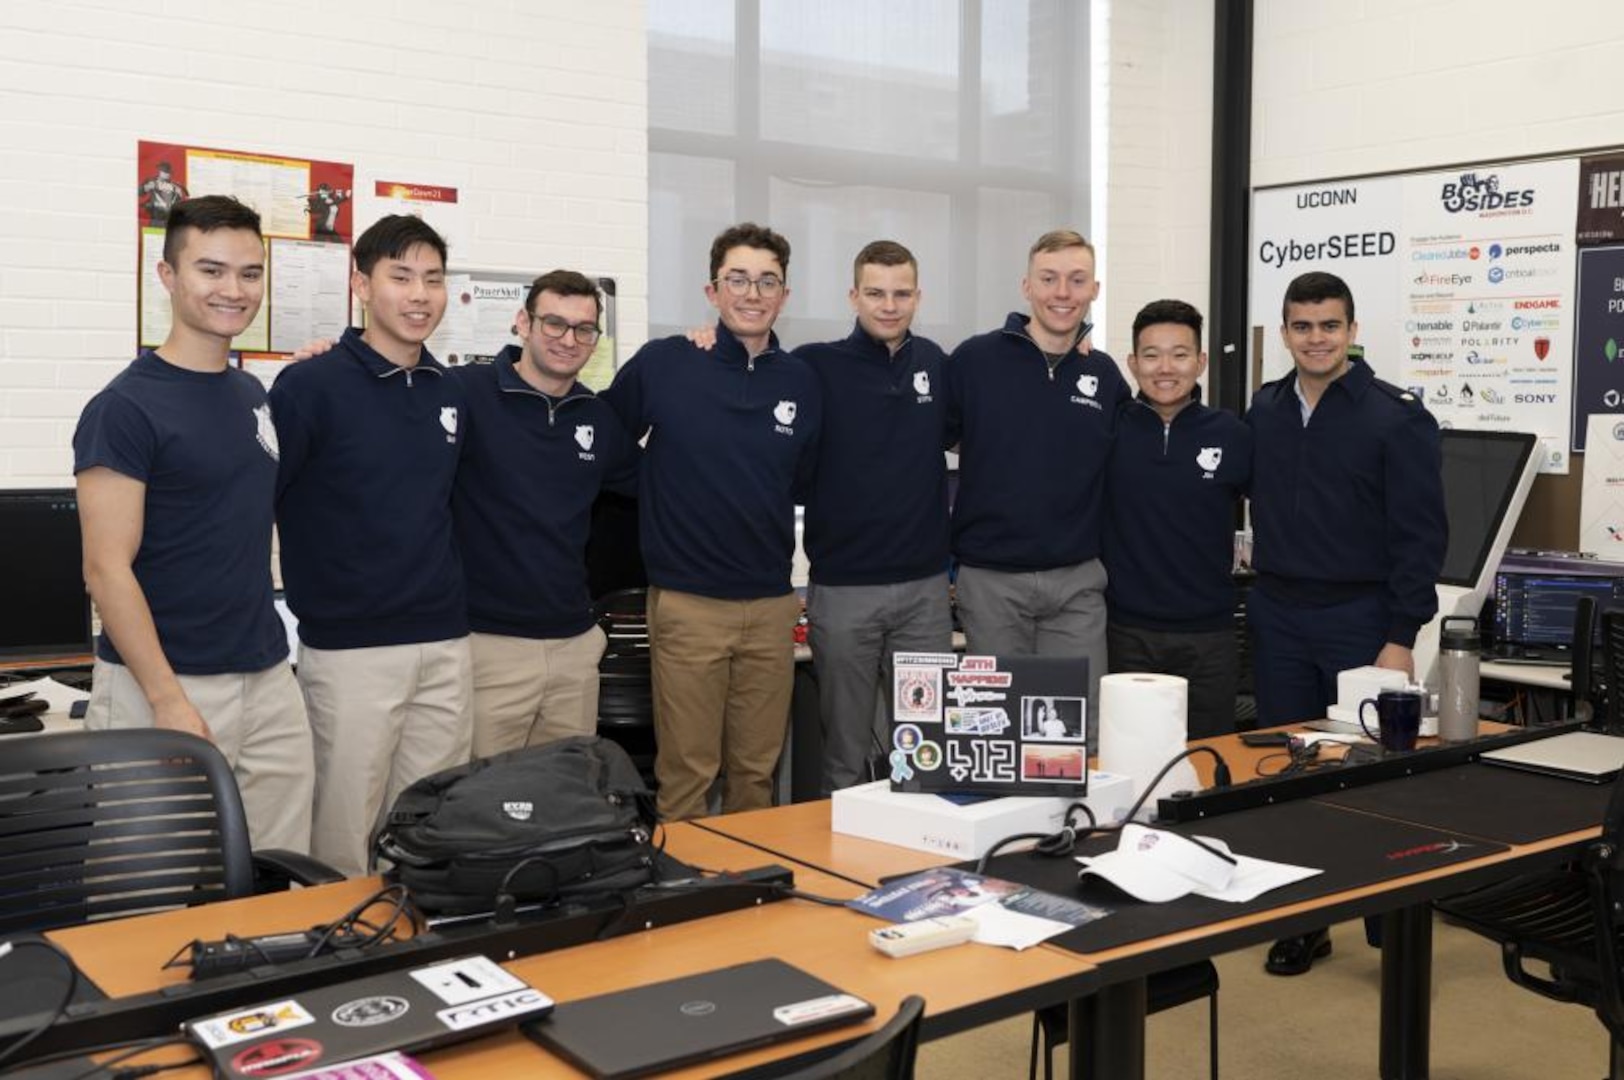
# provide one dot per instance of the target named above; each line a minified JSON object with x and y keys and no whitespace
{"x":1481,"y":473}
{"x":44,"y":609}
{"x":1537,"y":609}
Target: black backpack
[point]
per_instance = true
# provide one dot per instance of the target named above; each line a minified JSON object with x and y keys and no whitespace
{"x":564,"y":821}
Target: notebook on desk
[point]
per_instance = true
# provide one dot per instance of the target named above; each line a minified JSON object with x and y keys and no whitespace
{"x":1578,"y":755}
{"x":664,"y":1025}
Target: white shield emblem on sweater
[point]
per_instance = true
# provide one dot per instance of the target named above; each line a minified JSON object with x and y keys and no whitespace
{"x":265,"y":432}
{"x":583,"y":436}
{"x":784,"y":412}
{"x":1209,"y":457}
{"x":1088,"y":384}
{"x":921,"y":382}
{"x":448,"y":419}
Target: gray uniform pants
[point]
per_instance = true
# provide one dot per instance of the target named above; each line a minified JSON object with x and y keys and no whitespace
{"x":1059,"y":612}
{"x":854,"y":630}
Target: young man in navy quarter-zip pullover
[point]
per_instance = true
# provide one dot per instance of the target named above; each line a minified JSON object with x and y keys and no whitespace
{"x":371,"y":433}
{"x":1035,"y":417}
{"x":876,"y":516}
{"x":732,"y":436}
{"x":1348,"y":525}
{"x":540,"y":447}
{"x":176,"y":469}
{"x":1178,"y":470}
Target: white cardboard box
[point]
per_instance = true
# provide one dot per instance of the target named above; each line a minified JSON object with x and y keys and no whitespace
{"x":931,"y":823}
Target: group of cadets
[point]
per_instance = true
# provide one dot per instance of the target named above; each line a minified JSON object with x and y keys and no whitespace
{"x":433,"y":521}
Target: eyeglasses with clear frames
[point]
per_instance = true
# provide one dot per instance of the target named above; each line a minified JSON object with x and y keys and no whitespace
{"x":767,"y":285}
{"x":586,"y":334}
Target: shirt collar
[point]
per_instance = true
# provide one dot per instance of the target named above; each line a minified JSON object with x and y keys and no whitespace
{"x":378,"y":364}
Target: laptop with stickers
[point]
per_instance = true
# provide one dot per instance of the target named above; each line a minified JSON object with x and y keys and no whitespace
{"x":664,"y":1025}
{"x":989,"y":725}
{"x":413,"y":1009}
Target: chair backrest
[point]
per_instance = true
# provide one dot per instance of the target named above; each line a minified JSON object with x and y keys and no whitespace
{"x":888,"y":1054}
{"x":108,"y":823}
{"x":626,"y":694}
{"x":1607,"y":678}
{"x":1583,"y":677}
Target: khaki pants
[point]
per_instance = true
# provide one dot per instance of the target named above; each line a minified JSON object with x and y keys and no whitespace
{"x":382,"y":718}
{"x":258,"y":722}
{"x":530,"y":691}
{"x":723,"y":672}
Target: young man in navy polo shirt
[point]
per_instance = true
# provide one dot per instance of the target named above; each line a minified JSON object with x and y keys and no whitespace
{"x":371,"y":433}
{"x":176,"y":462}
{"x":732,"y":437}
{"x":1035,"y":416}
{"x":1178,"y":471}
{"x":540,"y":447}
{"x":876,"y":516}
{"x":1348,"y":525}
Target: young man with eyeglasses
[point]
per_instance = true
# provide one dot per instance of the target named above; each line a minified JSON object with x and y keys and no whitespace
{"x":371,"y":433}
{"x":1035,"y":417}
{"x":876,"y":516}
{"x":540,"y":447}
{"x":732,"y":438}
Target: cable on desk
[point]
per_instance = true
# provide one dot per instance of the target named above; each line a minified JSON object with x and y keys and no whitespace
{"x":10,"y":947}
{"x":135,"y":1050}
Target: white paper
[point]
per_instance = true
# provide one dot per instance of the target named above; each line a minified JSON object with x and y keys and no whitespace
{"x":997,"y":925}
{"x":56,"y":695}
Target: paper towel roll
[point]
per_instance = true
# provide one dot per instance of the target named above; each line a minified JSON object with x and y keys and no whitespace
{"x":1143,"y":723}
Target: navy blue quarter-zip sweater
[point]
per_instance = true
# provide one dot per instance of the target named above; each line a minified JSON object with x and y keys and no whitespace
{"x":369,"y":453}
{"x":877,"y":511}
{"x":1170,"y":499}
{"x":732,"y":440}
{"x":531,"y":467}
{"x":1352,"y":503}
{"x":1033,"y":441}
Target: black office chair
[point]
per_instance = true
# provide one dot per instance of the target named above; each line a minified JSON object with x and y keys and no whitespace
{"x":1570,"y":920}
{"x":888,"y":1054}
{"x":625,"y":678}
{"x":96,"y":825}
{"x":1164,"y":990}
{"x":1606,"y":686}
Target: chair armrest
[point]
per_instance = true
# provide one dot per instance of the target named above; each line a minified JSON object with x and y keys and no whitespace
{"x":275,"y":869}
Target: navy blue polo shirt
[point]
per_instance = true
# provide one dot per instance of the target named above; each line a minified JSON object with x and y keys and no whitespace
{"x":1033,"y":442}
{"x":531,"y":468}
{"x":204,"y":446}
{"x":732,"y":441}
{"x":369,"y":454}
{"x":1171,"y":495}
{"x":1352,"y":503}
{"x":877,"y":510}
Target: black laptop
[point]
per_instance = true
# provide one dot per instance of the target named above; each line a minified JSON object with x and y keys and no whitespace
{"x":411,"y":1009}
{"x":664,"y":1025}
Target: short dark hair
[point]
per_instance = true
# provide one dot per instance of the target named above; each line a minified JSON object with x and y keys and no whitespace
{"x":1315,"y":287}
{"x":205,"y":213}
{"x":564,"y":283}
{"x":391,"y":237}
{"x":882,"y":253}
{"x":1158,"y":312}
{"x":748,"y":234}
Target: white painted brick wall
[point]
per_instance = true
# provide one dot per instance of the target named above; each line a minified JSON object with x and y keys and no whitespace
{"x":1343,"y":89}
{"x":541,"y":104}
{"x":1160,"y":160}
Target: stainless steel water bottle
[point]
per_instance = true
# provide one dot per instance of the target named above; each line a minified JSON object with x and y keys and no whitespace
{"x":1458,"y":660}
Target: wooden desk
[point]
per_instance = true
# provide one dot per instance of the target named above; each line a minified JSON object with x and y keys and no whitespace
{"x":1114,"y":1020}
{"x":964,"y":987}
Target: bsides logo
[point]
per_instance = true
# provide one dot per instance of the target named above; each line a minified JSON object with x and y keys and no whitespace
{"x":1477,"y":192}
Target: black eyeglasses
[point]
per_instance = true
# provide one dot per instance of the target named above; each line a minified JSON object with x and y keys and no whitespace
{"x":767,"y":285}
{"x":586,"y":334}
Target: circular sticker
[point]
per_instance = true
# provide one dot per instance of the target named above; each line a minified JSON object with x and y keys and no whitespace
{"x":274,"y":1057}
{"x":929,"y":756}
{"x":371,"y":1011}
{"x":917,"y":693}
{"x":907,"y":737}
